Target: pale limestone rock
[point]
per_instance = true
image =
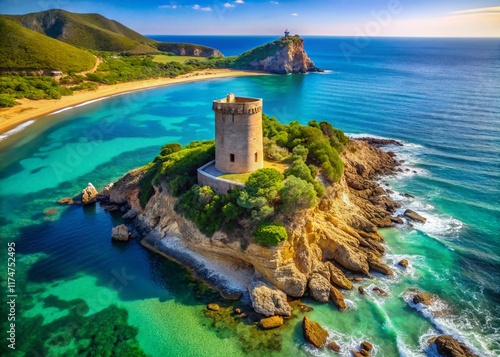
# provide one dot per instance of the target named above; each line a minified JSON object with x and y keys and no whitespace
{"x":289,"y":279}
{"x":319,"y":287}
{"x":338,"y":278}
{"x":267,"y":300}
{"x":120,"y":233}
{"x":89,"y":194}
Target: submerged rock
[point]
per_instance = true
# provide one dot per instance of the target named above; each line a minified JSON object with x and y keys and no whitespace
{"x":367,"y":346}
{"x":89,"y":194}
{"x":271,"y":322}
{"x":414,"y":216}
{"x":424,"y":298}
{"x":213,"y":307}
{"x":403,"y":263}
{"x":120,"y":233}
{"x":333,"y":346}
{"x":447,"y":346}
{"x":361,"y":290}
{"x":66,"y":201}
{"x":314,"y":333}
{"x":268,"y":300}
{"x":379,"y":290}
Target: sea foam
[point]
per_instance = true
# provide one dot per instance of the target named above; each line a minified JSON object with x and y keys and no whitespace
{"x":17,"y":129}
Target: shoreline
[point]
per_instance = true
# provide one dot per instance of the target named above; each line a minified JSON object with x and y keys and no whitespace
{"x":12,"y":117}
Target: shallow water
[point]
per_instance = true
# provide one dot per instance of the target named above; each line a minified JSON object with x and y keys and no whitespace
{"x":446,"y":111}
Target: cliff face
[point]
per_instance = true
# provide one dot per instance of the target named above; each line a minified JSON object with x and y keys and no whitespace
{"x":187,"y":49}
{"x":284,"y":56}
{"x":326,"y":244}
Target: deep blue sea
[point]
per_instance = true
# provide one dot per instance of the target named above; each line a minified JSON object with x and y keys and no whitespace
{"x":439,"y":96}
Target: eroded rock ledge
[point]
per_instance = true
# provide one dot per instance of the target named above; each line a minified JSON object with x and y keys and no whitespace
{"x":327,"y":247}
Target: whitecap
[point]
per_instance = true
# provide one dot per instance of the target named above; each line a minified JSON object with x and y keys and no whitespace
{"x":17,"y":129}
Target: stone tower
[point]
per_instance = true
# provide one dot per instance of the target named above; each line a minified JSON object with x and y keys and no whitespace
{"x":238,"y":134}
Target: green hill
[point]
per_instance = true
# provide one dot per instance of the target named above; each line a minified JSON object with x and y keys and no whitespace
{"x":92,"y":31}
{"x":21,"y":48}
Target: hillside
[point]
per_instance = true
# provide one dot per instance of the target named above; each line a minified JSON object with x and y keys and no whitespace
{"x":283,"y":56}
{"x":21,"y":48}
{"x":188,"y":49}
{"x":92,"y":31}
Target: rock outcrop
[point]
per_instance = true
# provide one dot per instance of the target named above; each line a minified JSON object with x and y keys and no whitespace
{"x":283,"y":56}
{"x":89,"y":194}
{"x":414,"y":216}
{"x":314,"y":333}
{"x":120,"y":233}
{"x":187,"y":49}
{"x":424,"y":298}
{"x":267,"y":300}
{"x":324,"y":243}
{"x":271,"y":322}
{"x":447,"y":346}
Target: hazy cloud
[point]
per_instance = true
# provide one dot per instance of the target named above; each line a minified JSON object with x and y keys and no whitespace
{"x":274,"y":2}
{"x":229,"y":5}
{"x":168,"y":6}
{"x":482,"y":10}
{"x":295,"y":14}
{"x":239,"y":2}
{"x":198,"y":7}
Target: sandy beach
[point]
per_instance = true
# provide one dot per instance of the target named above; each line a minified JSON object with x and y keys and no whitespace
{"x":31,"y":109}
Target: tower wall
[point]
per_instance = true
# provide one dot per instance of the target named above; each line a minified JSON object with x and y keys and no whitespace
{"x":238,"y":134}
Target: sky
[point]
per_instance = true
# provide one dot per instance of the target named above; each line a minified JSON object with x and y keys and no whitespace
{"x":415,"y":18}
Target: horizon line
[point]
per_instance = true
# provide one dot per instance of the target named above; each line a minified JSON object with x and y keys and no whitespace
{"x":350,"y":36}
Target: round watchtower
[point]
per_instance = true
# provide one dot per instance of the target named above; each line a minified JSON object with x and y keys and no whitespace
{"x":238,"y":134}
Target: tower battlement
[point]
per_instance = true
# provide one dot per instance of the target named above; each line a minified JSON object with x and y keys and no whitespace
{"x":238,"y":134}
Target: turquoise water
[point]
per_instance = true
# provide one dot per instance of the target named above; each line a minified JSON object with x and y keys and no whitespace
{"x":439,"y":96}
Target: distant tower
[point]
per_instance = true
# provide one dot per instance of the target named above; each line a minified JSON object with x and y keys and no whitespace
{"x":287,"y":33}
{"x":238,"y":134}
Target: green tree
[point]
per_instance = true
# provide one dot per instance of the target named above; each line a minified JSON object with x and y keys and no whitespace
{"x":265,"y":183}
{"x":297,"y":194}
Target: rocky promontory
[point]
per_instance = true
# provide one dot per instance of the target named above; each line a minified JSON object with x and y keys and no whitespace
{"x":327,"y":247}
{"x":283,"y":56}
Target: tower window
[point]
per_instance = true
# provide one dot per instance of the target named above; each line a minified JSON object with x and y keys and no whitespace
{"x":231,"y":157}
{"x":256,"y":157}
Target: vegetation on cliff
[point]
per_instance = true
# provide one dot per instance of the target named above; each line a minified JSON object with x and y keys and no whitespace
{"x":24,"y":49}
{"x":248,"y":59}
{"x":92,"y":31}
{"x":310,"y":151}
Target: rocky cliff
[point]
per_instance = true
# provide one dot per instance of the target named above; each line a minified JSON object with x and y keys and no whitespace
{"x":327,"y":247}
{"x":284,"y":56}
{"x":187,"y":49}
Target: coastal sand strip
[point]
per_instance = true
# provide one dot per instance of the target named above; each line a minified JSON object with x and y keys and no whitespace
{"x":31,"y":109}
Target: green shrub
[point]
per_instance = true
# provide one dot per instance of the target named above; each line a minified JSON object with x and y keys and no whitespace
{"x":6,"y":101}
{"x":297,"y":194}
{"x":270,"y":234}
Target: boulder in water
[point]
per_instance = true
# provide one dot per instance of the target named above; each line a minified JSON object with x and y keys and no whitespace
{"x":268,"y":300}
{"x":314,"y":333}
{"x":120,"y":233}
{"x":424,"y":298}
{"x":213,"y":307}
{"x":271,"y":322}
{"x":414,"y":216}
{"x":89,"y":194}
{"x":447,"y":346}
